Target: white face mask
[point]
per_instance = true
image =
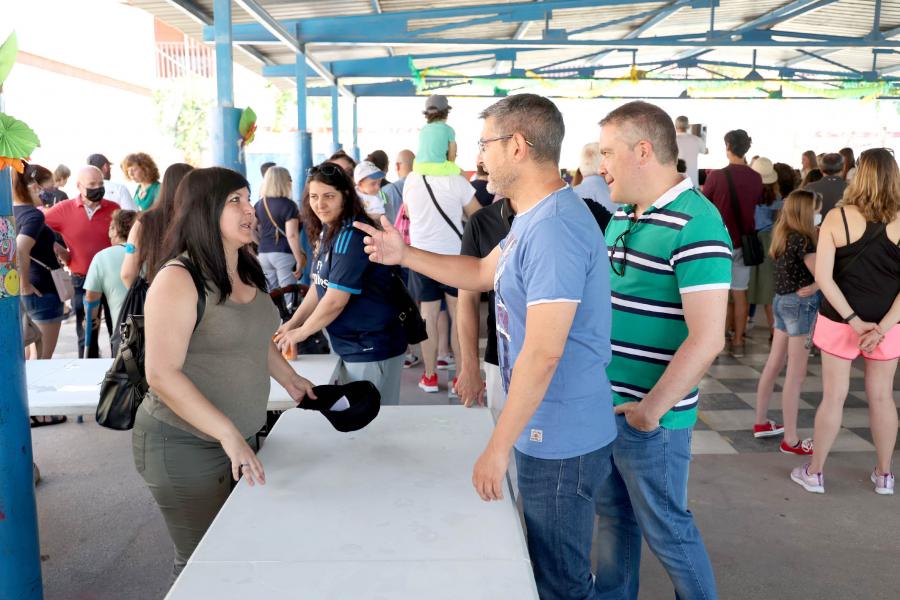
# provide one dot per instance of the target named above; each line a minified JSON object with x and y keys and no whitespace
{"x":817,"y":219}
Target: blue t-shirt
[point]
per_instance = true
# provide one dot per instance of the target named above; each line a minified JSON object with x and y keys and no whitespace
{"x":555,"y":253}
{"x":368,"y":329}
{"x":283,"y":210}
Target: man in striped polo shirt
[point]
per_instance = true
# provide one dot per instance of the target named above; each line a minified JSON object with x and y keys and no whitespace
{"x":670,"y":271}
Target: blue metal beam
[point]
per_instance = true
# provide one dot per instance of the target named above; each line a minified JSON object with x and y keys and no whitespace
{"x":394,"y":24}
{"x":887,"y":34}
{"x":226,"y":152}
{"x":265,"y":20}
{"x":203,"y":18}
{"x":767,"y":19}
{"x":303,"y":154}
{"x":335,"y":120}
{"x":694,"y":41}
{"x":387,"y":66}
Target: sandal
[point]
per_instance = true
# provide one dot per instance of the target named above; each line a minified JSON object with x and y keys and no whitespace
{"x":47,"y":420}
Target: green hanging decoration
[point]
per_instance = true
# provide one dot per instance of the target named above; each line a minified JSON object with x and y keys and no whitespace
{"x":247,"y":126}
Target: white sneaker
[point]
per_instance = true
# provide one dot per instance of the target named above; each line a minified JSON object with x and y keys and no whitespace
{"x":811,"y":482}
{"x":446,"y":362}
{"x":884,"y":484}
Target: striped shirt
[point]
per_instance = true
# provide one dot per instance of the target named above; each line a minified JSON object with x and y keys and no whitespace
{"x":678,"y":246}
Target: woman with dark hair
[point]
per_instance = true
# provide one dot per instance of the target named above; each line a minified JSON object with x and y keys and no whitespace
{"x":140,"y":168}
{"x":344,"y":161}
{"x":858,"y":271}
{"x":196,"y":429}
{"x":849,"y":169}
{"x":36,"y":257}
{"x":351,"y":299}
{"x":812,"y":176}
{"x":144,"y":246}
{"x":787,"y":178}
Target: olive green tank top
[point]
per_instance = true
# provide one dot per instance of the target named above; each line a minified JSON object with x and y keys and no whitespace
{"x":227,"y":359}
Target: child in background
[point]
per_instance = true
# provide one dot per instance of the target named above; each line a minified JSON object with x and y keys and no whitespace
{"x":796,"y":304}
{"x":437,"y":141}
{"x":368,"y":185}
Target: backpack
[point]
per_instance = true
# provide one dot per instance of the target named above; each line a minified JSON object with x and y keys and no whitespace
{"x":125,"y":383}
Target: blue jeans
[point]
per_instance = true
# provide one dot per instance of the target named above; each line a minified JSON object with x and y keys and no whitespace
{"x":795,"y":315}
{"x":559,"y":497}
{"x":647,"y":493}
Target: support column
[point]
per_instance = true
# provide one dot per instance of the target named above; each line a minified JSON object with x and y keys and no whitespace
{"x":355,"y":131}
{"x":335,"y":120}
{"x":304,"y":138}
{"x":20,"y":565}
{"x":226,"y":118}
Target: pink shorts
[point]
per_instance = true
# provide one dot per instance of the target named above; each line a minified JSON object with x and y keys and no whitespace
{"x":839,"y":339}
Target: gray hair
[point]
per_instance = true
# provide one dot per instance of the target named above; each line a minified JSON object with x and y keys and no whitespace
{"x":534,"y":117}
{"x":590,"y":159}
{"x":682,"y":123}
{"x":832,"y":163}
{"x":644,"y":121}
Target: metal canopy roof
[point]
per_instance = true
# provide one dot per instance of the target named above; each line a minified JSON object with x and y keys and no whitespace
{"x":395,"y":47}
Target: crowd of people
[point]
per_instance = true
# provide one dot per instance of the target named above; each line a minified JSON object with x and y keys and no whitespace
{"x":608,"y":300}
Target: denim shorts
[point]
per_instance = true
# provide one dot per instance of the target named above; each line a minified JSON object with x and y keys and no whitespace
{"x":795,"y":315}
{"x":44,"y":309}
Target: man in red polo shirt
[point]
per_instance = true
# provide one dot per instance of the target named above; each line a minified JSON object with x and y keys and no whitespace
{"x":83,"y":222}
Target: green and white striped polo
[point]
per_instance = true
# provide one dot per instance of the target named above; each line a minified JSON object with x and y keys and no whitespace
{"x":678,"y":246}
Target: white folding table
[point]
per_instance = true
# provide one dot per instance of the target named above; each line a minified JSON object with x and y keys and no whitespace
{"x":71,"y":386}
{"x":387,"y":512}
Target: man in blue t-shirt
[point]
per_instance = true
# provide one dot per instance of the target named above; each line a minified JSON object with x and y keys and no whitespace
{"x":551,"y":277}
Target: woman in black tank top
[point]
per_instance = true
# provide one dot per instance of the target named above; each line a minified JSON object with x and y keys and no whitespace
{"x":858,"y":271}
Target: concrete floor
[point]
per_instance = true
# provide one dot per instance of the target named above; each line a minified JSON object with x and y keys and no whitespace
{"x":102,"y":536}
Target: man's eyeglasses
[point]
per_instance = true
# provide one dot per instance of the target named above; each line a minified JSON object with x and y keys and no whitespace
{"x":482,"y":144}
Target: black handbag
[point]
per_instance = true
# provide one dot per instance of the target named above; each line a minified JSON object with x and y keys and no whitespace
{"x":753,"y":251}
{"x":407,"y":310}
{"x":125,"y":383}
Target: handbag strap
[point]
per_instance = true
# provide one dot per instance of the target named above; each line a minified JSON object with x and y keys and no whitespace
{"x":441,"y":210}
{"x":272,"y":220}
{"x":735,"y":205}
{"x":848,"y":264}
{"x":42,"y":264}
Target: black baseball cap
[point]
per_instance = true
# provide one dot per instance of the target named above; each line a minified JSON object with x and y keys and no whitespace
{"x":98,"y":160}
{"x":362,"y":396}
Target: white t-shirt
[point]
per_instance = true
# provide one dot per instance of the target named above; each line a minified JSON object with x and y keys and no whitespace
{"x":689,"y":146}
{"x":119,"y":194}
{"x":373,"y":205}
{"x":427,"y":228}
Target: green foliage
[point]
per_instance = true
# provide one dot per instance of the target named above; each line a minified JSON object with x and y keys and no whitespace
{"x":183,"y":115}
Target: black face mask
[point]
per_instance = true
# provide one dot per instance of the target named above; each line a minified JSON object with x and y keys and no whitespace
{"x":95,"y":194}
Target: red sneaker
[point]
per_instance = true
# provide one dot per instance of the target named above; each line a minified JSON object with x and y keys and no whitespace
{"x":429,"y":384}
{"x":803,"y":447}
{"x":767,"y":429}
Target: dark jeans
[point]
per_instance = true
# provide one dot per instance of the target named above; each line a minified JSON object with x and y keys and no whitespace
{"x":78,"y":306}
{"x":647,"y":493}
{"x":559,"y":499}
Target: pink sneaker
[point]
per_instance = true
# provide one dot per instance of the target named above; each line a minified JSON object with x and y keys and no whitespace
{"x":884,"y":484}
{"x":811,"y":482}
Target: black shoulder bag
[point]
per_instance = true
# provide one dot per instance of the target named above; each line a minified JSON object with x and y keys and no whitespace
{"x":125,"y":384}
{"x":440,"y":210}
{"x":400,"y":298}
{"x":754,"y":254}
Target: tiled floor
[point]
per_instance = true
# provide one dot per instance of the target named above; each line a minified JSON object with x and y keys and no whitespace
{"x":728,"y":402}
